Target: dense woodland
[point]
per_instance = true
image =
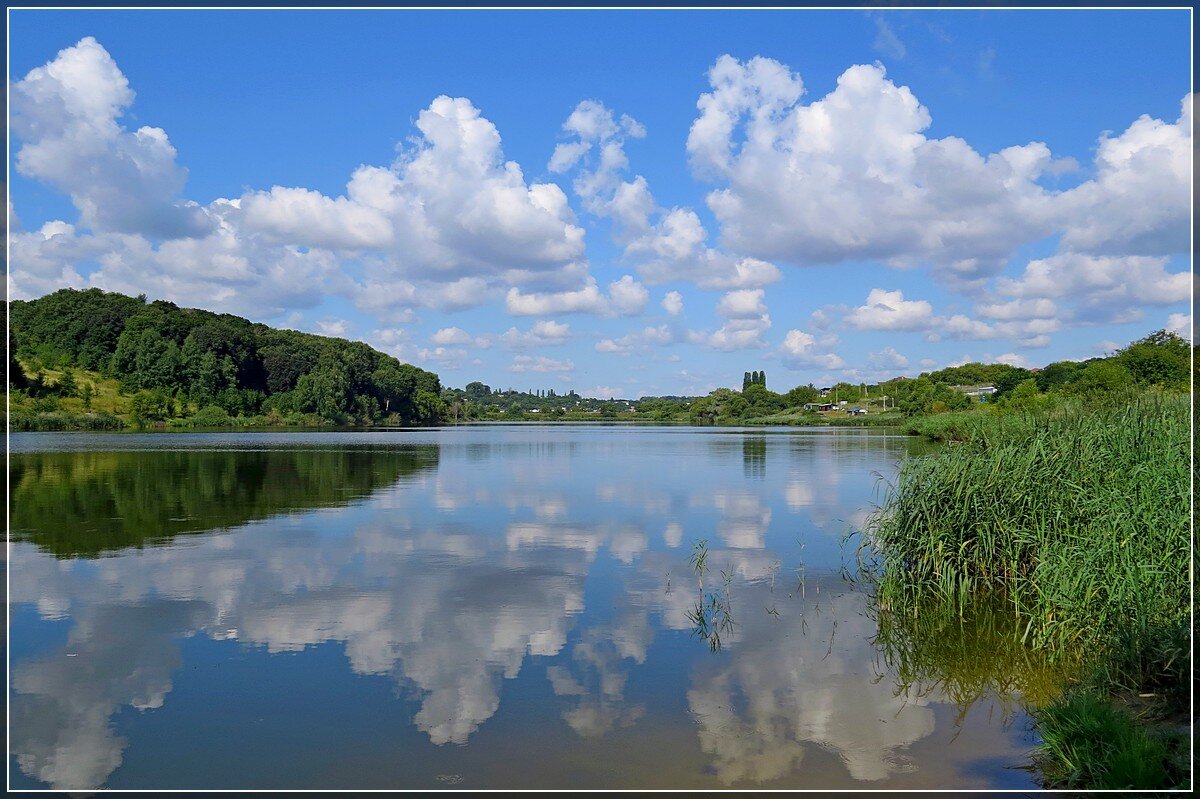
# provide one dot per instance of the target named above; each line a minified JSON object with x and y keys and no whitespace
{"x":181,"y":362}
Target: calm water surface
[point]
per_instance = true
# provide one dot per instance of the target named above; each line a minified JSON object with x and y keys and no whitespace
{"x":484,"y":606}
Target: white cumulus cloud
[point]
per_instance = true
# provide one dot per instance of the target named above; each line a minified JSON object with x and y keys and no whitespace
{"x":853,"y":176}
{"x":67,"y":116}
{"x":672,"y":303}
{"x":1180,"y":324}
{"x":626,"y":297}
{"x":449,"y":224}
{"x":544,"y":333}
{"x":746,"y":319}
{"x":665,"y":244}
{"x":800,"y":350}
{"x":888,"y":310}
{"x":540,"y":363}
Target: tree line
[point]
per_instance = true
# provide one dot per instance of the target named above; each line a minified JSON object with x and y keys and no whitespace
{"x":171,"y":359}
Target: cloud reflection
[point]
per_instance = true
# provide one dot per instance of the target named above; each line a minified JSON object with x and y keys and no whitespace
{"x":448,"y":581}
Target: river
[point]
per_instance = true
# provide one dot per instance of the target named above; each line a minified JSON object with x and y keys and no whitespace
{"x":484,"y":606}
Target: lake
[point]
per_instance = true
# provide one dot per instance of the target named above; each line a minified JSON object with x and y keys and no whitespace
{"x":492,"y":606}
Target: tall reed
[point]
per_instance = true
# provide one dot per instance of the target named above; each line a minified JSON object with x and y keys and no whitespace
{"x":1078,"y":514}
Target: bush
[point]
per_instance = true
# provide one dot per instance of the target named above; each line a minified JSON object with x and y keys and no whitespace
{"x":150,"y":406}
{"x":211,"y":416}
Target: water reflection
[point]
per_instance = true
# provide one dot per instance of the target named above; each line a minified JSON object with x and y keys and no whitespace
{"x":532,"y":581}
{"x":86,"y":503}
{"x":802,"y":677}
{"x":445,"y":612}
{"x":936,"y":649}
{"x":754,"y":456}
{"x":597,"y":675}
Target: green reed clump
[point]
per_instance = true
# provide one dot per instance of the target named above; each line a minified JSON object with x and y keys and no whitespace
{"x":1078,"y":513}
{"x":948,"y":426}
{"x":1090,"y":742}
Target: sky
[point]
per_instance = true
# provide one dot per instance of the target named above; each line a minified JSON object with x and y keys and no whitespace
{"x":619,"y":203}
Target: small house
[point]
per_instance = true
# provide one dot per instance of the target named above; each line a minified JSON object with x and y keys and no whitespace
{"x":980,"y":393}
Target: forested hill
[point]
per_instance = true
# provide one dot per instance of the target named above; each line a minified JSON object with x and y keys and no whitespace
{"x":172,"y":359}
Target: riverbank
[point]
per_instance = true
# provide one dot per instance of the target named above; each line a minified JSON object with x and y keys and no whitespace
{"x":1077,"y":516}
{"x":211,"y":419}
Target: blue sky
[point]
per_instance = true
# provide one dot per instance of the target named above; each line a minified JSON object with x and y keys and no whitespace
{"x":619,"y":202}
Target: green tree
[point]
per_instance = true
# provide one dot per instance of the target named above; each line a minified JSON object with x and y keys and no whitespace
{"x":1024,"y":397}
{"x":1161,"y":359}
{"x":802,"y":395}
{"x":149,"y":406}
{"x":846,"y":391}
{"x":66,"y":385}
{"x":1009,"y":380}
{"x":914,"y":397}
{"x":218,"y":359}
{"x":16,"y":375}
{"x":394,"y":386}
{"x":82,"y":327}
{"x":1101,"y":377}
{"x":208,"y":380}
{"x":761,"y":402}
{"x":323,"y":391}
{"x":428,"y":406}
{"x":1057,"y":375}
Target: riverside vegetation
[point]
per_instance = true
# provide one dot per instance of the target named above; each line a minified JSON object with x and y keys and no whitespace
{"x":100,"y":360}
{"x":1069,"y":508}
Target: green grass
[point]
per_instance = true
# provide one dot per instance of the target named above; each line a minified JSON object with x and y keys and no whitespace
{"x":1090,"y":742}
{"x":106,"y":397}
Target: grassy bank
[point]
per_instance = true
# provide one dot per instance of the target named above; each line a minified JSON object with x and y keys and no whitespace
{"x":26,"y":421}
{"x":1077,"y":516}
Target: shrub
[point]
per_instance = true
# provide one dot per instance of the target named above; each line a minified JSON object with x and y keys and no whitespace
{"x":211,"y":416}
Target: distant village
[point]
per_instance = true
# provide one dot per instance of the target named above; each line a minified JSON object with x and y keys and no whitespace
{"x":481,"y":401}
{"x":865,"y":405}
